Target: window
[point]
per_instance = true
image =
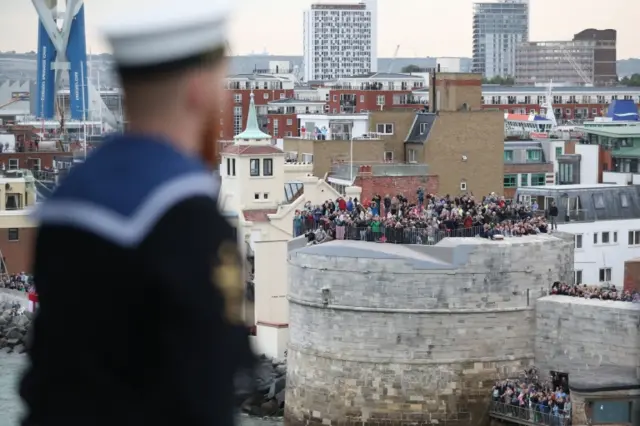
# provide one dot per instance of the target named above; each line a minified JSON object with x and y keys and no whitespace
{"x":595,"y":238}
{"x":463,"y":186}
{"x":233,"y":167}
{"x":307,"y":158}
{"x":237,"y":98}
{"x":524,"y":179}
{"x":254,"y":167}
{"x":335,"y":98}
{"x":256,"y":195}
{"x":624,"y":200}
{"x":578,"y":241}
{"x":411,"y":156}
{"x":510,"y":181}
{"x":282,"y":96}
{"x":13,"y":234}
{"x":228,"y":166}
{"x":534,"y":155}
{"x":508,"y":156}
{"x":265,"y":96}
{"x":578,"y":277}
{"x":288,"y":134}
{"x":361,"y":98}
{"x":634,"y":238}
{"x":384,"y":129}
{"x":558,"y":151}
{"x":615,"y":237}
{"x":598,"y":200}
{"x":388,"y":156}
{"x":14,"y":164}
{"x":267,"y":167}
{"x":265,"y":196}
{"x":35,"y":166}
{"x":605,"y":238}
{"x":538,"y":179}
{"x":605,"y":275}
{"x":289,"y":121}
{"x":424,"y":127}
{"x":13,"y":202}
{"x":380,"y":100}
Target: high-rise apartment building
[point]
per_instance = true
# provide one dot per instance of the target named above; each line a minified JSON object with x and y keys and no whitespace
{"x":498,"y":28}
{"x":340,"y":40}
{"x":588,"y":59}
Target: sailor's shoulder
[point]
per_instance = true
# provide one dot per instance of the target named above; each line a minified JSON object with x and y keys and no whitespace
{"x":120,"y":192}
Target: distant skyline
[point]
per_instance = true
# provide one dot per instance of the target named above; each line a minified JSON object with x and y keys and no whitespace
{"x":421,"y":27}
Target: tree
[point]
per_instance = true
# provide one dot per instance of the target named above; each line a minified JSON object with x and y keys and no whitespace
{"x":502,"y":81}
{"x":633,"y":81}
{"x":411,"y":68}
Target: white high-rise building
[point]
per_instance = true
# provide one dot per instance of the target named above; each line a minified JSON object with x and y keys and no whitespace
{"x":498,"y":29}
{"x":340,"y":40}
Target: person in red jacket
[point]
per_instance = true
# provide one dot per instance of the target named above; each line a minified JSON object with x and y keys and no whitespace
{"x":342,"y":204}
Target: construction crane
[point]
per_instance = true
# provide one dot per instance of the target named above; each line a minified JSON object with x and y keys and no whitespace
{"x":395,"y":55}
{"x":583,"y":76}
{"x":14,"y":100}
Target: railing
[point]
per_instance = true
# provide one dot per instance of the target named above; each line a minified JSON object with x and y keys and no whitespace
{"x":382,"y":234}
{"x":529,"y":416}
{"x":374,"y":87}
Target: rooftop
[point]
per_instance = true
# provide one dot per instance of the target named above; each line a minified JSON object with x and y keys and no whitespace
{"x":494,"y":88}
{"x":421,"y":127}
{"x":612,"y":131}
{"x":384,"y":76}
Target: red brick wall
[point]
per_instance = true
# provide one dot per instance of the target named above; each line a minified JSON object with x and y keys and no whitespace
{"x":24,"y":158}
{"x":632,"y":275}
{"x":370,"y":101}
{"x":393,"y":185}
{"x":17,"y":254}
{"x":227,"y":105}
{"x":283,"y":127}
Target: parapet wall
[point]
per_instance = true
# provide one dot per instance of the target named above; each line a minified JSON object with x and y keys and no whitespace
{"x":586,"y":337}
{"x":393,"y":333}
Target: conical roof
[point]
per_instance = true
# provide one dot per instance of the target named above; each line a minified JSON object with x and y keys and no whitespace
{"x":252,"y":131}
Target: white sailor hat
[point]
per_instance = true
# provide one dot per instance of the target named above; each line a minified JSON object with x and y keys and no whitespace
{"x":166,"y":31}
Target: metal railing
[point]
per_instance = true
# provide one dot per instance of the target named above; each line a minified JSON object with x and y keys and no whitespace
{"x":537,"y":415}
{"x":383,"y":234}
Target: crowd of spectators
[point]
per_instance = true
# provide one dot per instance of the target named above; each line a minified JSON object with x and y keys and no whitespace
{"x":425,"y":220}
{"x":528,"y":398}
{"x":19,"y":282}
{"x":595,"y":292}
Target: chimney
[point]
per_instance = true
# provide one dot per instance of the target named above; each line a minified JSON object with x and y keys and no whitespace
{"x":432,"y":90}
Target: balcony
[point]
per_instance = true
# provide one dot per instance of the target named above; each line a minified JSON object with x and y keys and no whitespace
{"x":345,"y":170}
{"x":337,"y":136}
{"x":377,"y":87}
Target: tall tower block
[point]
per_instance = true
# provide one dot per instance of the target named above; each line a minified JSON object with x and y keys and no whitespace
{"x":62,"y":48}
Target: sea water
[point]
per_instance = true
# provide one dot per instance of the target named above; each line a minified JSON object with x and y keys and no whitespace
{"x":11,"y":366}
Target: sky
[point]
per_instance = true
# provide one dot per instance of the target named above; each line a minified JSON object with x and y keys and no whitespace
{"x":421,"y":27}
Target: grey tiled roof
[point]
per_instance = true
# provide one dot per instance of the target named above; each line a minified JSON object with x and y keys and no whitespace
{"x":422,"y":118}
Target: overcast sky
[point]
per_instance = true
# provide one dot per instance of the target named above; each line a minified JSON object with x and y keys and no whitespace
{"x":420,"y":27}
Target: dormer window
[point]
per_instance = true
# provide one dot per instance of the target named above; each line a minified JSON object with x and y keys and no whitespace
{"x":267,"y":166}
{"x":254,"y":167}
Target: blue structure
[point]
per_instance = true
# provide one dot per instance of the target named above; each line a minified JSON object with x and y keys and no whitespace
{"x":45,"y":98}
{"x":623,"y":110}
{"x":77,"y":56}
{"x":75,"y":53}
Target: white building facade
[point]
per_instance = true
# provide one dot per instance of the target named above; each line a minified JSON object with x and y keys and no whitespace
{"x":340,"y":40}
{"x":605,"y":221}
{"x":498,"y":29}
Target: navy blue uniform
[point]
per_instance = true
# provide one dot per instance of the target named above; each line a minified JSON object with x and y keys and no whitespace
{"x":134,"y":325}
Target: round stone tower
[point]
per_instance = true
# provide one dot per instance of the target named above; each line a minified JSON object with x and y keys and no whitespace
{"x":396,"y":334}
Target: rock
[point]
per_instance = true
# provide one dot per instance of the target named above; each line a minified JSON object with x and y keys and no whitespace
{"x":14,"y":333}
{"x":276,"y":386}
{"x":281,"y":369}
{"x":30,"y":315}
{"x":280,"y":398}
{"x":21,"y":321}
{"x":20,"y":349}
{"x":13,"y":342}
{"x":269,"y":408}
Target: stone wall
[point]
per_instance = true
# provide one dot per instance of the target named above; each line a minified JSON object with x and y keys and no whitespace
{"x":582,"y":336}
{"x":383,"y":332}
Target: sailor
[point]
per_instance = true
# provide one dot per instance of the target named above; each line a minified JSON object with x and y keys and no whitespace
{"x":137,"y":272}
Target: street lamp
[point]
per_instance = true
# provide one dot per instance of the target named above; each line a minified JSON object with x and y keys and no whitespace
{"x":351,"y":158}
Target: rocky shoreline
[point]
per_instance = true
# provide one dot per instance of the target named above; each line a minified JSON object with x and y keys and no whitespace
{"x":15,"y":322}
{"x":260,"y":392}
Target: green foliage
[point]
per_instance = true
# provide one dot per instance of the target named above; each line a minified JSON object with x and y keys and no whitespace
{"x":410,"y":68}
{"x":634,"y":80}
{"x":502,"y":81}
